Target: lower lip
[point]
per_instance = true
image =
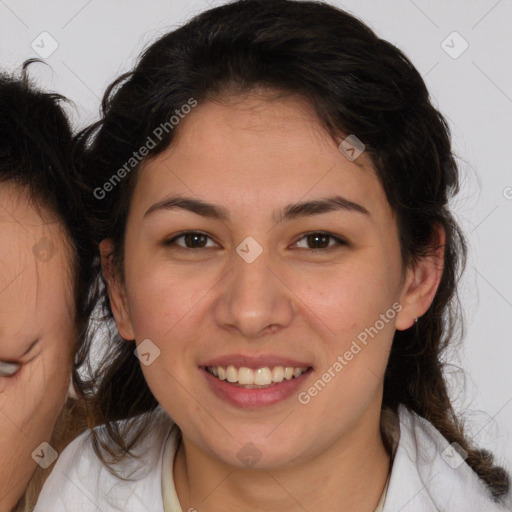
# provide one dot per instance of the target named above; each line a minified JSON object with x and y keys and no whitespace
{"x":254,"y":397}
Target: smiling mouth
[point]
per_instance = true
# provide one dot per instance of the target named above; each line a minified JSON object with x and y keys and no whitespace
{"x":263,"y":377}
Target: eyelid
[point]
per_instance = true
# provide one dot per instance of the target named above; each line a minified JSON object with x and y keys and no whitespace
{"x":8,"y":369}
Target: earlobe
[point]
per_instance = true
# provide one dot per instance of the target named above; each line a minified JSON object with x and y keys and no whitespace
{"x":116,"y":291}
{"x":421,"y":284}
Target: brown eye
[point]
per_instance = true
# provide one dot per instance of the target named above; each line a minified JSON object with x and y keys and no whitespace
{"x":192,"y":240}
{"x":321,"y":241}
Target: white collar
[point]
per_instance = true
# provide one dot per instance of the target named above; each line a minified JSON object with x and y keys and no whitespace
{"x":429,"y":476}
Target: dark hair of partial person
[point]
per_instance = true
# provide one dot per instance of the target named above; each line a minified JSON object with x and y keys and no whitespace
{"x":36,"y":156}
{"x":357,"y":84}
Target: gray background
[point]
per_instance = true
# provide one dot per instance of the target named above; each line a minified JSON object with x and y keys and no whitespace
{"x":98,"y":39}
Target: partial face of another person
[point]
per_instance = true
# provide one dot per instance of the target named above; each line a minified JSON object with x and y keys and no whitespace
{"x":259,"y":284}
{"x":36,"y":335}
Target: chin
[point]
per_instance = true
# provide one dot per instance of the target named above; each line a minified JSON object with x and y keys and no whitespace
{"x":260,"y":453}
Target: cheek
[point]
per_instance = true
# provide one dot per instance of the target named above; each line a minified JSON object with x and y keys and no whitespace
{"x":352,"y":311}
{"x":346,"y":299}
{"x":166,"y":308}
{"x":35,"y":397}
{"x":161,"y":297}
{"x":30,"y":404}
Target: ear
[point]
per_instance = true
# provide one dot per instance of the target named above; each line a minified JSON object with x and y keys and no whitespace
{"x":116,"y":291}
{"x":421,"y":282}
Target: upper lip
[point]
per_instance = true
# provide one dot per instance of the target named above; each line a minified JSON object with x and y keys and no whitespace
{"x":255,"y":361}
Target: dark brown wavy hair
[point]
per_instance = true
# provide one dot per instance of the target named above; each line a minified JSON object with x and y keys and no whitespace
{"x":36,"y":146}
{"x":357,"y":84}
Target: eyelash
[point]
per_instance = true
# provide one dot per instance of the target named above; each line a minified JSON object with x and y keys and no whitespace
{"x":339,"y":241}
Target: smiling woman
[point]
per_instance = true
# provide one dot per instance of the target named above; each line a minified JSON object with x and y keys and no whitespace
{"x":45,"y":280}
{"x":291,"y":235}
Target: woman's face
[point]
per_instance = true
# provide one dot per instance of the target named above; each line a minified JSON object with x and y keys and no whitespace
{"x":36,"y":335}
{"x":253,"y":290}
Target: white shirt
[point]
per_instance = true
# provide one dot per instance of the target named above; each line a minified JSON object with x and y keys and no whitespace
{"x":426,"y":475}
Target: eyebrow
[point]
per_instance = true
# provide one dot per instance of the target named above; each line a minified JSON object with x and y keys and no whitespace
{"x":289,"y":212}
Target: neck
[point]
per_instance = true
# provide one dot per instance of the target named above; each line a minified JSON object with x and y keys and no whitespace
{"x":350,"y":475}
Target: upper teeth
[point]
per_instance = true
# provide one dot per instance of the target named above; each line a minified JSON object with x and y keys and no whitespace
{"x":260,"y":377}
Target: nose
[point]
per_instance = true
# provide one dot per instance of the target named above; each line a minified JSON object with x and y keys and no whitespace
{"x":255,"y":299}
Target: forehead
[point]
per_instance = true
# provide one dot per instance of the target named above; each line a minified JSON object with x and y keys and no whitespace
{"x":255,"y":148}
{"x":35,"y":275}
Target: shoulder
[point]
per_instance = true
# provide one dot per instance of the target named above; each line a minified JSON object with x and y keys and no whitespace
{"x":80,"y":481}
{"x":429,"y":473}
